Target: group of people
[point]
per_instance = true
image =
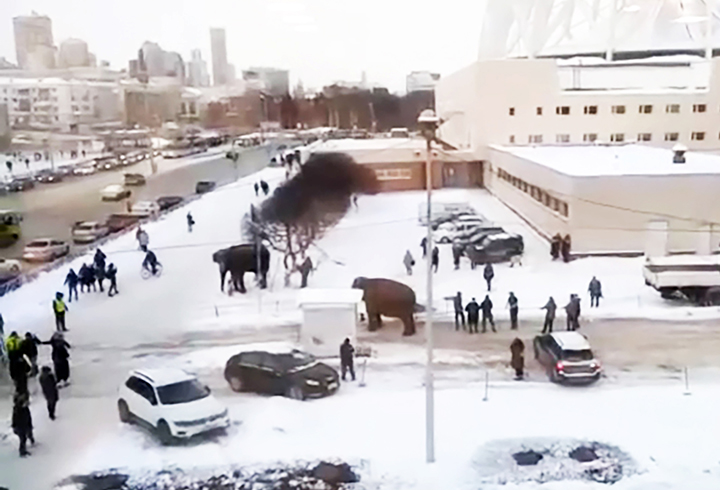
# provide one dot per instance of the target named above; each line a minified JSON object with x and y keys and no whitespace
{"x":473,"y":310}
{"x":150,"y":262}
{"x":89,"y":276}
{"x":22,"y":359}
{"x":261,"y":185}
{"x":560,"y":247}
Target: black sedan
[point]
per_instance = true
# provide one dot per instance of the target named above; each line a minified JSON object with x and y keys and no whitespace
{"x":49,"y":177}
{"x":204,"y":186}
{"x":294,"y":374}
{"x":167,"y":202}
{"x":496,"y":247}
{"x":20,"y":184}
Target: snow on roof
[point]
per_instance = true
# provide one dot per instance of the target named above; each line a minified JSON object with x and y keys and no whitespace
{"x":571,"y":340}
{"x":308,"y":297}
{"x":614,"y":160}
{"x":163,"y":376}
{"x":370,"y":144}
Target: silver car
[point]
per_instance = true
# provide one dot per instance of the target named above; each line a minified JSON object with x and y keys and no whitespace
{"x":45,"y":250}
{"x":89,"y":231}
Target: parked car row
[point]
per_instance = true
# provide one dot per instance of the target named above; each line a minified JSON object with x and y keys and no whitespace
{"x":176,"y":405}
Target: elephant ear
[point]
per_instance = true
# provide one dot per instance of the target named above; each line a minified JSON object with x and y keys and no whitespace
{"x":359,"y":283}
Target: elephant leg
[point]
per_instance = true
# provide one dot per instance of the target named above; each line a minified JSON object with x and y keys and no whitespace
{"x":373,"y":320}
{"x":240,"y":284}
{"x":263,"y":280}
{"x":409,"y":323}
{"x":223,"y":273}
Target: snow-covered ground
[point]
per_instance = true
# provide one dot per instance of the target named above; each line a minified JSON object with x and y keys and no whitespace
{"x":379,"y":427}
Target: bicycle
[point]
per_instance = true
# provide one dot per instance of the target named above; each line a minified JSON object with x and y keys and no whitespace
{"x":146,"y":272}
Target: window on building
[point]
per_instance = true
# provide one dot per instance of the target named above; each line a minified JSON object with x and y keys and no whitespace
{"x":75,"y":108}
{"x":645,"y":109}
{"x":590,"y":137}
{"x":564,"y":208}
{"x":672,"y":108}
{"x":699,"y":107}
{"x":538,"y":111}
{"x":562,"y":138}
{"x":618,"y":109}
{"x":671,"y":136}
{"x":535,"y":138}
{"x":562,"y":110}
{"x":590,"y":109}
{"x":57,"y":118}
{"x":393,"y":174}
{"x":698,"y":136}
{"x":645,"y":137}
{"x":512,"y":138}
{"x":617,"y":137}
{"x":511,"y":111}
{"x":86,"y":108}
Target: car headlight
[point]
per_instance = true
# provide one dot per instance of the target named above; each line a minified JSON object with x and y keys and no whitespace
{"x":312,"y":382}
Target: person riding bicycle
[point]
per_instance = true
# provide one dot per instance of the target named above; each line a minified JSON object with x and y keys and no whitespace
{"x":151,"y":262}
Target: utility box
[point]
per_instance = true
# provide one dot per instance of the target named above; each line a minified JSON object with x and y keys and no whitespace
{"x":329,"y":317}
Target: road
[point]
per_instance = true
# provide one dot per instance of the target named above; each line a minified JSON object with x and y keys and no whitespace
{"x":50,"y":210}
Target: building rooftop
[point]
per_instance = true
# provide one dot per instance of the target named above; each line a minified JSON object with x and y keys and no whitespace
{"x":609,"y":160}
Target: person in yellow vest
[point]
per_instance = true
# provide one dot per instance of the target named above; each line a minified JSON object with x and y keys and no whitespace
{"x":59,"y":308}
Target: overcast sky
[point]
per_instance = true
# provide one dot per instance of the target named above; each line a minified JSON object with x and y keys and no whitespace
{"x":319,"y":41}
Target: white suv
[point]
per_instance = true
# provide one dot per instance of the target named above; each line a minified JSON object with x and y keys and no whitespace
{"x":171,"y":402}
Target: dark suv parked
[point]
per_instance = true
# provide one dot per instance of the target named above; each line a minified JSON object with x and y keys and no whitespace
{"x":566,"y":357}
{"x":495,"y":247}
{"x":293,"y":374}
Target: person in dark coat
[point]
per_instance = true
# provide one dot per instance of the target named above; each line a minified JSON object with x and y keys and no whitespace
{"x":150,"y":262}
{"x":423,"y":245}
{"x":347,"y":354}
{"x":459,"y":313}
{"x":473,"y":315}
{"x":572,"y":310}
{"x":22,"y":421}
{"x":305,"y":269}
{"x":190,"y":222}
{"x":565,"y":248}
{"x":71,"y":280}
{"x":20,"y":370}
{"x":489,"y":274}
{"x":100,"y":274}
{"x":48,"y":383}
{"x":111,"y":274}
{"x":555,"y":246}
{"x":265,"y":187}
{"x":512,"y":303}
{"x":435,"y":259}
{"x":517,"y":359}
{"x":29,"y":348}
{"x":457,"y":252}
{"x":82,"y":278}
{"x":595,"y":290}
{"x":550,"y":308}
{"x":408,"y":262}
{"x":60,"y":355}
{"x":99,"y":259}
{"x":257,"y":188}
{"x":59,"y":308}
{"x":487,"y":316}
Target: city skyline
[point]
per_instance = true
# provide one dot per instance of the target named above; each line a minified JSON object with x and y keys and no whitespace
{"x":318,"y":42}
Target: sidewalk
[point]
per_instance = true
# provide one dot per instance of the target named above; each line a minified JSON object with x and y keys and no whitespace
{"x":20,"y":169}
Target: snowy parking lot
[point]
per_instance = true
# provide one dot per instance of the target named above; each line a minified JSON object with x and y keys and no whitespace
{"x":183,"y":319}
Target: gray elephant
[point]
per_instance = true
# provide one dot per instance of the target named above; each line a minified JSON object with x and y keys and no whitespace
{"x":389,"y":298}
{"x":240,"y":259}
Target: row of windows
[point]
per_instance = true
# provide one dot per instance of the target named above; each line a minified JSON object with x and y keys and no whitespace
{"x":564,"y":110}
{"x":614,"y":137}
{"x":393,"y":174}
{"x":557,"y":205}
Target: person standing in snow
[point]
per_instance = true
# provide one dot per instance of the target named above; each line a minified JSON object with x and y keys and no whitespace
{"x":48,"y":383}
{"x":457,"y":252}
{"x":595,"y":290}
{"x":408,"y":262}
{"x":100,"y":275}
{"x":555,"y":246}
{"x":72,"y":280}
{"x":458,"y":306}
{"x":22,"y":421}
{"x":257,"y":188}
{"x":143,"y":239}
{"x":83,"y":278}
{"x":565,"y":248}
{"x":572,"y":310}
{"x":99,"y":259}
{"x":59,"y":308}
{"x":423,"y":245}
{"x":29,"y":348}
{"x":150,"y":262}
{"x":265,"y":187}
{"x":517,"y":358}
{"x":305,"y":269}
{"x":512,"y":303}
{"x":112,"y":277}
{"x":487,"y":316}
{"x":488,"y":274}
{"x":435,"y":258}
{"x":347,"y":354}
{"x":190,"y":222}
{"x":550,"y":308}
{"x":60,"y":355}
{"x":473,"y":315}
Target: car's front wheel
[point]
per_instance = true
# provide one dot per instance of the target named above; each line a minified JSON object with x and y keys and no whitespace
{"x":124,"y":412}
{"x":164,"y":434}
{"x":296,"y":393}
{"x":236,"y":384}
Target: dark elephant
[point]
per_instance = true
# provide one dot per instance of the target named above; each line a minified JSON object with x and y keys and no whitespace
{"x":389,"y":298}
{"x":240,"y":259}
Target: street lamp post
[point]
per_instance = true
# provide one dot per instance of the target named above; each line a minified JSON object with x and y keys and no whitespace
{"x":428,"y":123}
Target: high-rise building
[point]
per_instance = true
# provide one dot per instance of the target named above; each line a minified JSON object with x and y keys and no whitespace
{"x":275,"y":81}
{"x":197,"y":72}
{"x":218,"y":46}
{"x":231,"y":75}
{"x":418,"y":81}
{"x":153,"y":61}
{"x":34,"y":42}
{"x":73,"y":53}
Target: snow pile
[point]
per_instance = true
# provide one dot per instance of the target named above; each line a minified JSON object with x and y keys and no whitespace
{"x":321,"y":475}
{"x":543,"y":460}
